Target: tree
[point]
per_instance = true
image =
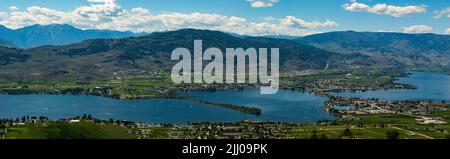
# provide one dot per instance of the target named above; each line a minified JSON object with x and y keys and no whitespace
{"x":323,"y":136}
{"x":392,"y":134}
{"x":360,"y":124}
{"x":347,"y":133}
{"x":43,"y":118}
{"x":314,"y":135}
{"x":2,"y":129}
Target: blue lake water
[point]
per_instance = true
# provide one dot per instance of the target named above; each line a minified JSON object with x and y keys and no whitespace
{"x":431,"y":86}
{"x":345,"y":107}
{"x":285,"y":106}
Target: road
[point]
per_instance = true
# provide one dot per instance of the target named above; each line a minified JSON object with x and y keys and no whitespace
{"x":412,"y":132}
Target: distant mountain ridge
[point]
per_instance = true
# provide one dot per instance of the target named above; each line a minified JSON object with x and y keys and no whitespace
{"x":6,"y":43}
{"x":11,"y":55}
{"x":103,"y":58}
{"x":411,"y":50}
{"x":55,"y":34}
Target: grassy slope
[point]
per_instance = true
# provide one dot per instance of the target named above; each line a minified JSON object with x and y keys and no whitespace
{"x":63,"y":130}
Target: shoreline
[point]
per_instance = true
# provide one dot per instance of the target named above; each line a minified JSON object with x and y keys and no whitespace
{"x":102,"y":92}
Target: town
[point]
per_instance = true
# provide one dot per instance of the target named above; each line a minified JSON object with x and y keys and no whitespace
{"x":354,"y":117}
{"x":378,"y":125}
{"x":346,"y":107}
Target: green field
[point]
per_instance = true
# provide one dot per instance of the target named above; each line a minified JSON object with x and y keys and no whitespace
{"x":336,"y":132}
{"x":127,"y":88}
{"x":65,"y":130}
{"x":364,"y":127}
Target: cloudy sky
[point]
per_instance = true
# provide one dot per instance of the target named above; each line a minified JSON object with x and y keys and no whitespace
{"x":250,"y":17}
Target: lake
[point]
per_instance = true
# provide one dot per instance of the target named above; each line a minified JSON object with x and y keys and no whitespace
{"x":286,"y":106}
{"x":430,"y":86}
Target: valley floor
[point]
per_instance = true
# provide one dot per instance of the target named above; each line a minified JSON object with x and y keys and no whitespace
{"x":382,"y":126}
{"x":349,"y":125}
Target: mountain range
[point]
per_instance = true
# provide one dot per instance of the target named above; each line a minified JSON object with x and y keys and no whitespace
{"x":105,"y":58}
{"x":6,"y":43}
{"x":410,"y":50}
{"x":55,"y":34}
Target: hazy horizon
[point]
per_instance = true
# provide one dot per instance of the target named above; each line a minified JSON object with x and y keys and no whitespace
{"x":244,"y":17}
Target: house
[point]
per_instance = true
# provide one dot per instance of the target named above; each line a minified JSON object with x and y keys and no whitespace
{"x":74,"y":121}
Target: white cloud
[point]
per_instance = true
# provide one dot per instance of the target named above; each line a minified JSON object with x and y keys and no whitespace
{"x":102,"y":1}
{"x":140,"y":11}
{"x":447,"y":31}
{"x":13,"y":8}
{"x":387,"y":31}
{"x":100,"y":10}
{"x":417,"y":29}
{"x":396,"y":11}
{"x":3,"y":15}
{"x":108,"y":14}
{"x":262,"y":3}
{"x":269,"y":18}
{"x":296,"y":22}
{"x":445,"y":12}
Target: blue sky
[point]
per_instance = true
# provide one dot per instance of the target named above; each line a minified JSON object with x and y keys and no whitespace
{"x":254,"y":17}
